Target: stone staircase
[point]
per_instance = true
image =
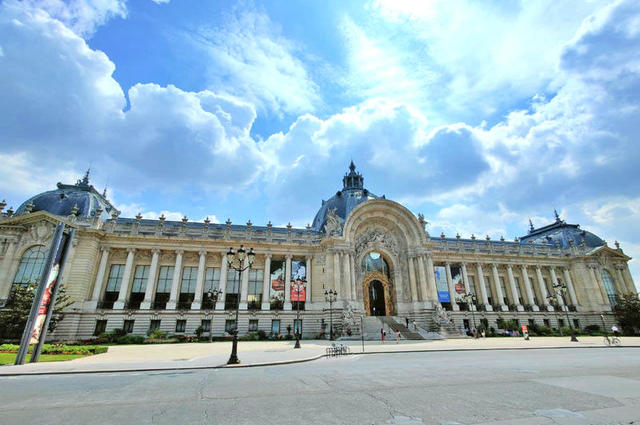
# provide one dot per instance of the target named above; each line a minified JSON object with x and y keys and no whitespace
{"x":395,"y":325}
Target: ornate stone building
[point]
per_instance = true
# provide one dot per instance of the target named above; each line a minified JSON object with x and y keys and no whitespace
{"x":141,"y":274}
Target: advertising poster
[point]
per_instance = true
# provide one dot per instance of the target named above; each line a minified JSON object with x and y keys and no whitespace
{"x":441,"y":284}
{"x":298,"y":291}
{"x":458,"y":284}
{"x":276,"y":289}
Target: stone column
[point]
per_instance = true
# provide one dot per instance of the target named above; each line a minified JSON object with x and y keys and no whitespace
{"x":570,"y":289}
{"x":514,"y":291}
{"x":554,"y":282}
{"x":336,"y":274}
{"x":222,"y":284}
{"x":347,"y":276}
{"x":151,"y":280}
{"x":543,"y":289}
{"x":621,"y":284}
{"x":412,"y":279}
{"x":175,"y":282}
{"x":452,"y":290}
{"x":528,"y":288}
{"x":97,"y":285}
{"x":431,"y":282}
{"x":422,"y":281}
{"x":596,"y":283}
{"x":197,"y":299}
{"x":244,"y":285}
{"x":126,"y":280}
{"x":6,"y":280}
{"x":483,"y":289}
{"x":496,"y":284}
{"x":352,"y":268}
{"x":598,"y":273}
{"x":287,"y":284}
{"x":266,"y":283}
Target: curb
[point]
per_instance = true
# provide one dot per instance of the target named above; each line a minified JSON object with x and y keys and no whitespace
{"x":285,"y":362}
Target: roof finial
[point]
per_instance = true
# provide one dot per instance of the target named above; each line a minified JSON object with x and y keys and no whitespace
{"x":104,"y":193}
{"x":352,"y":166}
{"x":85,"y":180}
{"x":555,"y":212}
{"x":531,"y":228}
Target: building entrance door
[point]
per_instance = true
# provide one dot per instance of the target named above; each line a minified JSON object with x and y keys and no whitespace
{"x":376,"y":299}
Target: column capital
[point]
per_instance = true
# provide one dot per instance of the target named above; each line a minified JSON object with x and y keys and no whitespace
{"x":202,"y":252}
{"x":268,"y":255}
{"x":308,"y":257}
{"x":288,"y":257}
{"x":156,"y":251}
{"x":447,"y":263}
{"x":179,"y":251}
{"x":509,"y":266}
{"x":131,"y":250}
{"x":105,"y":248}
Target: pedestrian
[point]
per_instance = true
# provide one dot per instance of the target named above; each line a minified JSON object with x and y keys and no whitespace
{"x":415,"y":328}
{"x":406,"y":319}
{"x":614,"y":329}
{"x":382,"y":334}
{"x":397,"y":337}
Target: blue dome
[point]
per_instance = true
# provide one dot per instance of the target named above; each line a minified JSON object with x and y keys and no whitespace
{"x":560,"y":233}
{"x":352,"y":194}
{"x":62,"y":201}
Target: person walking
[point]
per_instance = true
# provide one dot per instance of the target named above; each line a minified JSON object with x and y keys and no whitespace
{"x":406,"y":320}
{"x":397,"y":337}
{"x":415,"y":328}
{"x":382,"y":334}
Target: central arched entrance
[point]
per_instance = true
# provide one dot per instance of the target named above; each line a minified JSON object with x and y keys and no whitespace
{"x":376,"y":299}
{"x":376,"y":285}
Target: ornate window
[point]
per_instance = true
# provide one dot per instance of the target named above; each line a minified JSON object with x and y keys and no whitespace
{"x":373,"y":262}
{"x":608,"y":286}
{"x":31,"y":265}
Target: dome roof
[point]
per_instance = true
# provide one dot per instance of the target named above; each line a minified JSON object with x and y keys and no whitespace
{"x":344,"y":201}
{"x":65,"y":198}
{"x":560,"y":233}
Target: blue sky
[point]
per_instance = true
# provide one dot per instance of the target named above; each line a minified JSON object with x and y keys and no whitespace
{"x":480,"y":115}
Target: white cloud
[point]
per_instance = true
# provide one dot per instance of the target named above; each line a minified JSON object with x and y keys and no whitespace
{"x":82,"y":16}
{"x":251,"y":59}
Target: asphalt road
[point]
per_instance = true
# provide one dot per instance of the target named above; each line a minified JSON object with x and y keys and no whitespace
{"x":559,"y":386}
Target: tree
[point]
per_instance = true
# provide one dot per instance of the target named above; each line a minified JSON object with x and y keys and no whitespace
{"x":14,"y":315}
{"x":627,"y":311}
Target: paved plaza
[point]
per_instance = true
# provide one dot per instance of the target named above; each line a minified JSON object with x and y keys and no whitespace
{"x":519,"y":387}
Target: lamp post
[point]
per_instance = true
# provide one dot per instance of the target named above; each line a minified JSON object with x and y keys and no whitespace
{"x":560,"y":289}
{"x":553,"y":301}
{"x":212,"y":296}
{"x":471,"y":297}
{"x":298,"y":287}
{"x":330,"y":295}
{"x":236,"y":261}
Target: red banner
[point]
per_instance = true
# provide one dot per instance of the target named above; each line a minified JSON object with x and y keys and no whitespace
{"x":277,"y":284}
{"x":298,"y":291}
{"x":44,"y":305}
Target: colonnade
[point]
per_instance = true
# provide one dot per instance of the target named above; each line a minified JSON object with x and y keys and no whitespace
{"x":150,"y":289}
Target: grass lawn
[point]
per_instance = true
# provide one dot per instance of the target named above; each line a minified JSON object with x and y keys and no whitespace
{"x":9,"y":358}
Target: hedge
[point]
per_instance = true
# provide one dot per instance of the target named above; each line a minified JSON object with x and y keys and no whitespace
{"x":59,"y":349}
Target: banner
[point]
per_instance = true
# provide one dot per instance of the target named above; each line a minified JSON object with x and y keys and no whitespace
{"x":441,"y":284}
{"x":277,"y":284}
{"x":44,"y":305}
{"x":298,"y":291}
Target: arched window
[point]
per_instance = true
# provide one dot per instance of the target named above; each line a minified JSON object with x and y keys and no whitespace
{"x":31,"y":265}
{"x":609,"y":287}
{"x":373,"y":262}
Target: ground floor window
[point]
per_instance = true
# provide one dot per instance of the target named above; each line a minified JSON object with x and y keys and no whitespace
{"x":253,"y":325}
{"x":576,"y":323}
{"x":206,"y":325}
{"x":230,"y":326}
{"x":230,"y":301}
{"x":532,"y":323}
{"x":275,"y":327}
{"x":155,"y":325}
{"x":546,"y":322}
{"x":465,"y":323}
{"x":101,"y":327}
{"x":561,"y":323}
{"x":181,"y":325}
{"x":128,"y":326}
{"x":297,"y":326}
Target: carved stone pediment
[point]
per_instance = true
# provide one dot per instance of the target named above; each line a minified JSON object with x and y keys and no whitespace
{"x":333,"y":225}
{"x":37,"y":233}
{"x":375,"y":238}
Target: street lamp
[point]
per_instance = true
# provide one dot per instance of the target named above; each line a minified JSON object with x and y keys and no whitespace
{"x":553,"y":301}
{"x":212,"y":297}
{"x":298,"y":287}
{"x":330,"y":295}
{"x":470,"y":299}
{"x":560,"y":289}
{"x":236,"y":261}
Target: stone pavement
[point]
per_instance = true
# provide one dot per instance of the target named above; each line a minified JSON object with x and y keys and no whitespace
{"x":260,"y":353}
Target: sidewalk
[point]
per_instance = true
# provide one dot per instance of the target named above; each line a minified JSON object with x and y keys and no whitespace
{"x":130,"y":358}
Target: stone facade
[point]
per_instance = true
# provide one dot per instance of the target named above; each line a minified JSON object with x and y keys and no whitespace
{"x":510,"y":280}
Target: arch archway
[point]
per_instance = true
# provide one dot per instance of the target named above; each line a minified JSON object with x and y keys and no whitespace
{"x":378,"y":293}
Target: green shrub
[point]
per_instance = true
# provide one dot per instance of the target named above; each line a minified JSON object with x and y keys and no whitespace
{"x":541,"y":330}
{"x":59,"y":349}
{"x":262,"y":335}
{"x":592,"y":328}
{"x":158,"y":334}
{"x":130,"y":339}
